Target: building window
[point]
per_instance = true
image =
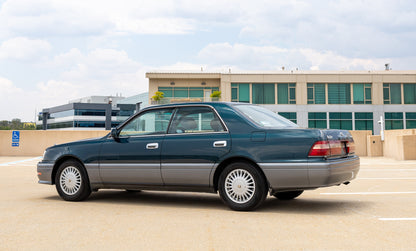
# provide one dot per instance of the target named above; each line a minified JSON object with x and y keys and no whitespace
{"x":185,"y":92}
{"x":362,"y":93}
{"x":339,"y":94}
{"x":317,"y":120}
{"x":340,"y":120}
{"x":286,"y":93}
{"x":316,"y":93}
{"x":263,"y":94}
{"x":240,"y":93}
{"x":89,"y":112}
{"x":363,"y":121}
{"x":409,"y":93}
{"x":410,"y":120}
{"x":289,"y":115}
{"x":392,"y":93}
{"x":393,"y":120}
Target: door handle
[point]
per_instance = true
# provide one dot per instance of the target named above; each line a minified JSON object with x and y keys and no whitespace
{"x":222,"y":143}
{"x":152,"y":146}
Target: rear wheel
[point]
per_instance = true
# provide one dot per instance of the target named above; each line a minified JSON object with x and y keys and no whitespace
{"x":289,"y":195}
{"x":71,"y":181}
{"x":242,"y":187}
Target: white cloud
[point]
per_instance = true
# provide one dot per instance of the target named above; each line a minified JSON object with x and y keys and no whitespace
{"x":272,"y":58}
{"x":21,"y":48}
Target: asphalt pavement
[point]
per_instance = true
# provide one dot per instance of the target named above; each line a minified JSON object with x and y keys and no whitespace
{"x":377,"y":211}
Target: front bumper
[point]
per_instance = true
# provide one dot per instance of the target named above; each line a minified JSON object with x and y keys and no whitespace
{"x":45,"y":173}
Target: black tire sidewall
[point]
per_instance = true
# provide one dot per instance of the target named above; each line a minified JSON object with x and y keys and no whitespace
{"x":260,"y":187}
{"x":84,"y":190}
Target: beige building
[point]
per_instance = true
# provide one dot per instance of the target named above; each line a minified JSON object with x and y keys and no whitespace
{"x":352,"y":100}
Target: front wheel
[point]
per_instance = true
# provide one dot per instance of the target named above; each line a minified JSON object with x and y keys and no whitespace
{"x":242,"y":187}
{"x":71,"y":181}
{"x":289,"y":195}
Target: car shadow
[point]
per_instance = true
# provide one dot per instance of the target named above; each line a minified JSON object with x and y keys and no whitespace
{"x":212,"y":201}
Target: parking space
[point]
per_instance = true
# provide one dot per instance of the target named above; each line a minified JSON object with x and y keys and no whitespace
{"x":376,"y":211}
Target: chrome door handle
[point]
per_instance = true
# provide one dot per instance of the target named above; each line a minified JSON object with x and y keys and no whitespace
{"x":152,"y":146}
{"x":220,"y":143}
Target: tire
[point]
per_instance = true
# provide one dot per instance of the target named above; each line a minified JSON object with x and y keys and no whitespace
{"x":289,"y":195}
{"x":72,"y":182}
{"x":242,"y":187}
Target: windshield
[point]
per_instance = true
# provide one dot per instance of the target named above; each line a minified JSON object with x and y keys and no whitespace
{"x":264,"y":117}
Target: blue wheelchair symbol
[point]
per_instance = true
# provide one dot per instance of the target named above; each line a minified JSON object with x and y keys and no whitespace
{"x":15,"y":136}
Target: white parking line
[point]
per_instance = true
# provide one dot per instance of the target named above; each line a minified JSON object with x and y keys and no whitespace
{"x":406,"y":178}
{"x":369,"y":193}
{"x":390,"y":169}
{"x":19,"y":161}
{"x":397,"y":219}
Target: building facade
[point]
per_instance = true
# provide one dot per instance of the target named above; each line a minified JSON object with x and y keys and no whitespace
{"x":351,"y":100}
{"x":91,"y":113}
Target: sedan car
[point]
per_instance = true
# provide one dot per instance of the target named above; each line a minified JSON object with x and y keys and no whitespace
{"x":241,"y":151}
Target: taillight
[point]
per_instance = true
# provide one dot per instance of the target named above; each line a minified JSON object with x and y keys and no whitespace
{"x":328,"y":148}
{"x":350,"y":147}
{"x":320,"y":148}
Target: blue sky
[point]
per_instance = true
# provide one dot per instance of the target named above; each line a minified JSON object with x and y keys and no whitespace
{"x":53,"y":51}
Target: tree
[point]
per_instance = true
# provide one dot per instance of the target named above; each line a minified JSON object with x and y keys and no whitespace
{"x":158,"y":96}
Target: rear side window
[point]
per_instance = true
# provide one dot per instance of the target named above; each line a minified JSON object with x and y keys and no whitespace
{"x":195,"y":120}
{"x":264,"y":117}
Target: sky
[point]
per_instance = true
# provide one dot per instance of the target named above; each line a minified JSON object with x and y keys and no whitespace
{"x":53,"y":51}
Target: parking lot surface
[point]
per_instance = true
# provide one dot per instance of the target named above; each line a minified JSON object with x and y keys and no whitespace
{"x":377,"y":211}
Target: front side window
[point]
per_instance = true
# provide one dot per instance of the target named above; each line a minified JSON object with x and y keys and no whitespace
{"x":148,"y":123}
{"x":195,"y":120}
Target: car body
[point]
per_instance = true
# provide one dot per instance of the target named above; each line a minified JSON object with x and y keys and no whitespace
{"x":240,"y":150}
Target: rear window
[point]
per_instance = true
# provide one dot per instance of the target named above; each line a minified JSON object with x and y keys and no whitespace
{"x":264,"y":117}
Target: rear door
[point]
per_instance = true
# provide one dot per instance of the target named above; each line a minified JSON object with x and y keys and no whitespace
{"x":196,"y":140}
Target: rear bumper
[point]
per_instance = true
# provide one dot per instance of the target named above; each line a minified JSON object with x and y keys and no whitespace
{"x":333,"y":172}
{"x":45,"y":173}
{"x":311,"y":174}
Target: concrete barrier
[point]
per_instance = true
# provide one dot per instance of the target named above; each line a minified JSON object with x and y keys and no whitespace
{"x":34,"y":143}
{"x":398,"y":144}
{"x":360,"y":140}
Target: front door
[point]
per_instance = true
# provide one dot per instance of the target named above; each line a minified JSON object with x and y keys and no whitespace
{"x":134,"y":157}
{"x":196,"y":140}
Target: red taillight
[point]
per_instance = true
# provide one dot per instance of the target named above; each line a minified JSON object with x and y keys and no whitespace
{"x":331,"y":148}
{"x":350,"y":147}
{"x":320,"y":148}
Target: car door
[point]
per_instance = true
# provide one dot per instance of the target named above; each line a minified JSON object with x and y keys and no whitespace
{"x":196,"y":140}
{"x":133,"y":156}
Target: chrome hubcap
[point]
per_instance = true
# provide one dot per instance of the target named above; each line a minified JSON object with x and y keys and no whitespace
{"x":240,"y":186}
{"x":70,"y":180}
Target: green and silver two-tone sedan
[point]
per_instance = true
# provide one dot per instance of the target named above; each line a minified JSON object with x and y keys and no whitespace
{"x":242,"y":151}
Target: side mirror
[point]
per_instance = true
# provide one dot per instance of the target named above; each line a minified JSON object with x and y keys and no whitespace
{"x":114,"y":134}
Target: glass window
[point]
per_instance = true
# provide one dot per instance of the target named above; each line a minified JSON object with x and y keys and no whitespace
{"x":363,"y":121}
{"x":411,"y":120}
{"x":289,"y":115}
{"x":316,"y":93}
{"x":264,"y":117}
{"x":317,"y":120}
{"x":150,"y":122}
{"x":392,"y":94}
{"x":393,"y":120}
{"x":340,"y":120}
{"x":62,"y":114}
{"x":409,"y":91}
{"x":286,"y":93}
{"x":339,"y":94}
{"x":263,"y":94}
{"x":362,"y":93}
{"x":240,"y":93}
{"x":196,"y":120}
